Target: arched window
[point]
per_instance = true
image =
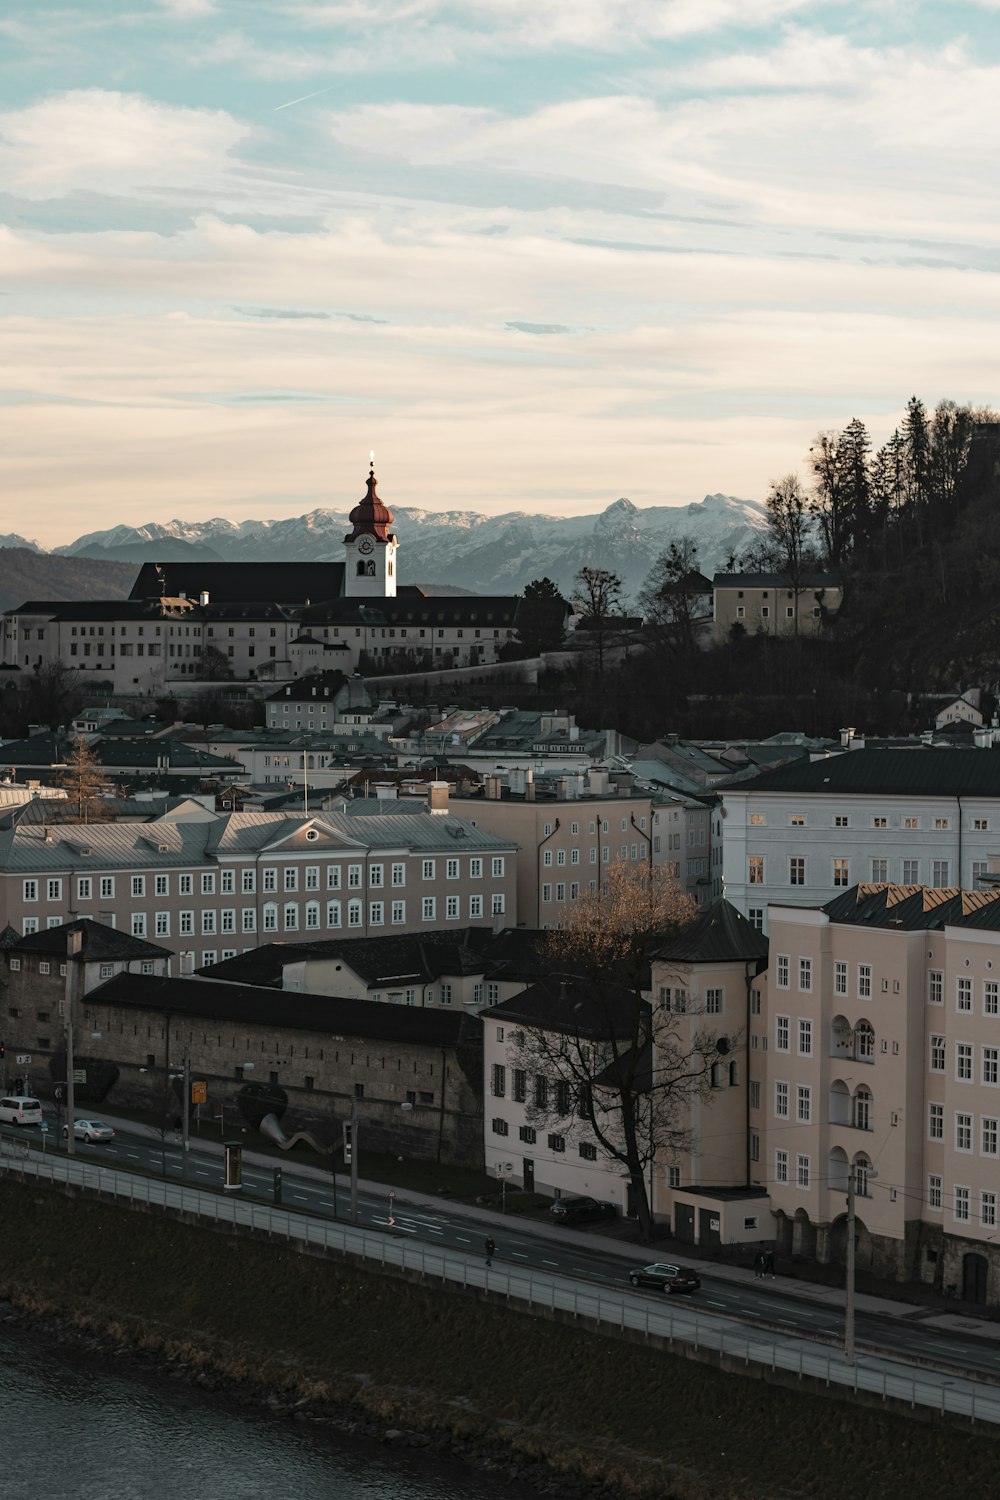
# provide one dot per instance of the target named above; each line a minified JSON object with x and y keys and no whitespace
{"x":291,"y":916}
{"x":864,"y":1041}
{"x":361,"y":568}
{"x":370,"y":569}
{"x":734,"y":1075}
{"x":354,"y":913}
{"x":312,"y":913}
{"x":861,"y":1167}
{"x":862,"y":1109}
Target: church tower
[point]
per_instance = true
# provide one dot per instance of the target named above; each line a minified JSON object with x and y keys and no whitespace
{"x":370,"y":569}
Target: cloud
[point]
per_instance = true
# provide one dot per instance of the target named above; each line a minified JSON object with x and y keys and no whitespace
{"x":187,"y":9}
{"x":538,"y":328}
{"x":97,"y":140}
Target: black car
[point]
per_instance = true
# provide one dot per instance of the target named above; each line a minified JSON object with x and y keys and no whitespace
{"x":581,"y":1210}
{"x":667,"y":1278}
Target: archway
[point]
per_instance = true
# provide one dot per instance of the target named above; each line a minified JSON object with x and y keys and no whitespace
{"x":975,"y":1270}
{"x":863,"y":1248}
{"x":840,"y":1103}
{"x":837,"y":1169}
{"x":803,"y":1236}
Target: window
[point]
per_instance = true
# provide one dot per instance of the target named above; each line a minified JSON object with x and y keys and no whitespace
{"x":673,"y":1177}
{"x":841,"y":871}
{"x":991,"y":1066}
{"x":354,"y":877}
{"x":208,"y":884}
{"x":541,"y":1091}
{"x":939,"y":873}
{"x":942,"y":823}
{"x":796,"y":870}
{"x":934,"y":1192}
{"x":988,"y":1210}
{"x":989,"y":1137}
{"x":755,"y":916}
{"x":475,"y":906}
{"x":376,"y":913}
{"x":781,"y":1101}
{"x":557,"y":1143}
{"x":841,"y":821}
{"x":528,"y":1134}
{"x":991,"y":997}
{"x":375,"y":873}
{"x":500,"y":1127}
{"x":291,"y":877}
{"x":162,"y":885}
{"x":428,"y":908}
{"x":757,"y":820}
{"x":754,"y":1095}
{"x":53,"y":890}
{"x":588,"y":1150}
{"x":880,"y":870}
{"x":475,"y":869}
{"x":803,"y":1106}
{"x":270,"y":916}
{"x":840,"y":977}
{"x":963,"y":1062}
{"x":398,"y":874}
{"x":227,"y":881}
{"x":805,"y":974}
{"x":398,"y":913}
{"x":428,"y":869}
{"x":84,"y":888}
{"x":107,"y":886}
{"x":354,"y":910}
{"x":497,"y":906}
{"x":519,"y":1085}
{"x":963,"y":993}
{"x":162,"y":924}
{"x":270,"y":880}
{"x":880,"y":822}
{"x":249,"y":883}
{"x":333,"y":877}
{"x":713,"y":1002}
{"x":935,"y":987}
{"x":782,"y":964}
{"x":208,"y":921}
{"x":911,"y":872}
{"x":962,"y":1197}
{"x":805,"y":1038}
{"x":249,"y":919}
{"x":963,"y":1132}
{"x":781,"y":1033}
{"x":935,"y":1122}
{"x":185,"y":885}
{"x":755,"y":869}
{"x":802,"y":1171}
{"x":138,"y":886}
{"x":861,"y":1113}
{"x":498,"y":1085}
{"x":864,"y":981}
{"x":498,"y":864}
{"x":452,"y":908}
{"x":546,"y":892}
{"x":937,"y":1062}
{"x":312,"y":877}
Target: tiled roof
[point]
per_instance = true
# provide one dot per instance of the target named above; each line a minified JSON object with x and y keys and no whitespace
{"x":100,"y":943}
{"x":915,"y":908}
{"x":330,"y":1015}
{"x":924,"y":772}
{"x":721,"y":935}
{"x":241,"y":582}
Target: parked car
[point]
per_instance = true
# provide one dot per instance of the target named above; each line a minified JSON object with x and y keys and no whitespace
{"x":90,"y":1130}
{"x":18,"y":1109}
{"x":667,"y":1278}
{"x":581,"y":1210}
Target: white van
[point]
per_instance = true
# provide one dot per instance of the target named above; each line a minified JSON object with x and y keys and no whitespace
{"x":17,"y":1110}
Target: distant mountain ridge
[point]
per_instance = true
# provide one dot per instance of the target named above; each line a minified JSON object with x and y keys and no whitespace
{"x":485,"y":554}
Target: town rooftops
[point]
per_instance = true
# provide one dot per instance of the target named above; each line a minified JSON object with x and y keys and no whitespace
{"x":914,"y":908}
{"x":929,"y":772}
{"x":100,"y":944}
{"x":402,"y":959}
{"x":331,"y":1015}
{"x":722,"y":935}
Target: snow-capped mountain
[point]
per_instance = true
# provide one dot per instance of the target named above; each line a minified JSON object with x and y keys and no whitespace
{"x":487,"y":554}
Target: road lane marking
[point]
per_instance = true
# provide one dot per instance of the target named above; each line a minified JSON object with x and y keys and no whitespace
{"x":520,"y":1254}
{"x":550,"y":1263}
{"x":463,"y":1239}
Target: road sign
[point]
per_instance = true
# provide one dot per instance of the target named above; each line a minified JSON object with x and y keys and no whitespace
{"x":23,"y":1057}
{"x":392,"y":1201}
{"x":199,"y":1093}
{"x":79,"y":1075}
{"x":43,"y":1128}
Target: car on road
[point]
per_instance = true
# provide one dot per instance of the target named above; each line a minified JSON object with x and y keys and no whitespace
{"x":581,"y":1210}
{"x":667,"y":1278}
{"x":90,"y":1130}
{"x":19,"y":1109}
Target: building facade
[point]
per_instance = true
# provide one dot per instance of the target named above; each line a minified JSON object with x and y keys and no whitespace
{"x":773,"y":603}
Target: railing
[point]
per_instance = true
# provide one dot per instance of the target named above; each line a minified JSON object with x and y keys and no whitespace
{"x":548,"y":1292}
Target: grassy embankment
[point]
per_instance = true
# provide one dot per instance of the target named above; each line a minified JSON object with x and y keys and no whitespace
{"x":651,"y":1423}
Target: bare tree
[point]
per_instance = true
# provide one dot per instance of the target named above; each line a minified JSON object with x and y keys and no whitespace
{"x":598,"y":596}
{"x":606,"y":1066}
{"x":668,"y":599}
{"x":788,"y":526}
{"x":84,"y":779}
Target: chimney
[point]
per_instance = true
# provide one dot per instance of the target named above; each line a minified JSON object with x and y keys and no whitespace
{"x":437,"y":797}
{"x":846,"y":736}
{"x":204,"y":597}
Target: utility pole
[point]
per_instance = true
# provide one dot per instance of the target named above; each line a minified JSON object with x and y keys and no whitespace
{"x":354,"y":1161}
{"x":186,"y":1115}
{"x":74,"y":971}
{"x":869,"y":1173}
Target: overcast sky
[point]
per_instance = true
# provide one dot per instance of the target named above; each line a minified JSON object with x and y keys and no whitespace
{"x":536,"y":253}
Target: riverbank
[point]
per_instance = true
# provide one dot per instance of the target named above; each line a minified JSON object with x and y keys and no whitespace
{"x":558,"y":1409}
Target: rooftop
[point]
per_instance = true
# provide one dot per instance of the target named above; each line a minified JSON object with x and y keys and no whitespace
{"x":722,"y":935}
{"x":915,"y":908}
{"x":99,"y":943}
{"x":928,"y":772}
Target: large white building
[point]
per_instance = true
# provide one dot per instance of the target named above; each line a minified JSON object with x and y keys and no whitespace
{"x":799,"y":835}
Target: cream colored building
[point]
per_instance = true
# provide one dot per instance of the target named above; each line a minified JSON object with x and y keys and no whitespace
{"x":875,"y":1049}
{"x":769,"y":604}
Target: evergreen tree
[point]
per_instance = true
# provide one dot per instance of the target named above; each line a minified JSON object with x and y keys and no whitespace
{"x":84,"y":779}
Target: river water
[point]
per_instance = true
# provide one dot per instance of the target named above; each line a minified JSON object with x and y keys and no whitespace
{"x":75,"y":1427}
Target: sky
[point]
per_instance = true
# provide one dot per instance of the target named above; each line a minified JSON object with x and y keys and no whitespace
{"x":537,"y":254}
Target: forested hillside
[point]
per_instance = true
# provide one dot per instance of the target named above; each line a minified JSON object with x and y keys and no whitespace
{"x":38,"y":575}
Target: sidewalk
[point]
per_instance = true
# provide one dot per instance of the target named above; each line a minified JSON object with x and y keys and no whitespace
{"x":510,"y":1225}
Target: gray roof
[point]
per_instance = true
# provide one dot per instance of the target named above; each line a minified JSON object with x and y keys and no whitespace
{"x":926,"y":772}
{"x":164,"y":844}
{"x":98,"y":943}
{"x":722,"y":935}
{"x":775,"y":580}
{"x":915,"y":908}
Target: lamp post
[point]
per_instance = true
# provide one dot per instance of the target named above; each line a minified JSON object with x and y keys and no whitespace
{"x":869,"y":1172}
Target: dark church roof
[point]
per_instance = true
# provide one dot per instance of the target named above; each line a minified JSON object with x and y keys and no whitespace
{"x":371,"y":516}
{"x":100,"y":943}
{"x":722,"y":935}
{"x":241,"y":582}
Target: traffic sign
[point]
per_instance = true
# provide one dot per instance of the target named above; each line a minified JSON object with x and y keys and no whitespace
{"x":199,"y":1093}
{"x":79,"y":1075}
{"x":23,"y":1057}
{"x":43,"y":1128}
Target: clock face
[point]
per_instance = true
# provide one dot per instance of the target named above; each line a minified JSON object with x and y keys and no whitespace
{"x":366,"y":545}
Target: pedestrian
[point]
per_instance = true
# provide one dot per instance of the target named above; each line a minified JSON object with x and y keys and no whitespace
{"x":769,"y":1263}
{"x":490,"y":1247}
{"x":758,"y":1265}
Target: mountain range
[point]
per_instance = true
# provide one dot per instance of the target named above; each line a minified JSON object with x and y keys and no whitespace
{"x":484,"y":554}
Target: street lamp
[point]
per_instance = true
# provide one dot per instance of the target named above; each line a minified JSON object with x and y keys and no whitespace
{"x":870,"y":1173}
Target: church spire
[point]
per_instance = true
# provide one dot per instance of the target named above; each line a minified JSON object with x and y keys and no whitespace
{"x":371,"y":516}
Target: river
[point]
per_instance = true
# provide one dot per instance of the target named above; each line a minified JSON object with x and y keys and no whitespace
{"x":79,"y":1427}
